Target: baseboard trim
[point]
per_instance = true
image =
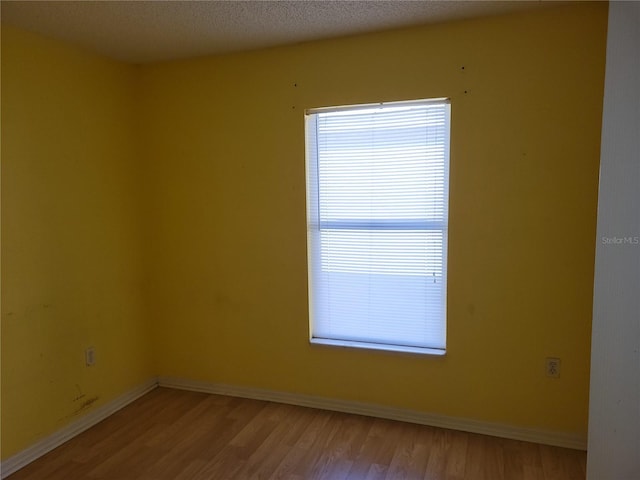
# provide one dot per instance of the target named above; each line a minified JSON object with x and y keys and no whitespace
{"x":558,"y":439}
{"x":28,"y":455}
{"x":23,"y":458}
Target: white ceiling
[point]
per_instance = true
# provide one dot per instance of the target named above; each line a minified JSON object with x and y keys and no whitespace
{"x":139,"y":31}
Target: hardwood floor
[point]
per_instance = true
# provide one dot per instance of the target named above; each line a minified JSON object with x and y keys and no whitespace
{"x":179,"y":435}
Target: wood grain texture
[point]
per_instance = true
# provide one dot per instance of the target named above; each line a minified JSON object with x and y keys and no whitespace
{"x":179,"y":435}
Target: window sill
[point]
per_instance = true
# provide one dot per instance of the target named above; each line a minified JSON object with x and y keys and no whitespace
{"x":378,"y":346}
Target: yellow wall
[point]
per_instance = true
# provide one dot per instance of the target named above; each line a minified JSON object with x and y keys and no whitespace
{"x":225,"y":153}
{"x":173,"y":194}
{"x":71,"y":240}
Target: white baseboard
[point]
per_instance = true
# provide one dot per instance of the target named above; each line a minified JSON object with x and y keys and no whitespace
{"x":23,"y":458}
{"x":558,"y":439}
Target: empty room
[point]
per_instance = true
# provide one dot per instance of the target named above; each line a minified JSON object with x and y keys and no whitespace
{"x":320,"y":240}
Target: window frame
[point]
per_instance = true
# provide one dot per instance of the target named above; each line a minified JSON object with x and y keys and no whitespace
{"x":314,"y":225}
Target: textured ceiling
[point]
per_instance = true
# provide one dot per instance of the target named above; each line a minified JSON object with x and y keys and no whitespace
{"x":148,"y":31}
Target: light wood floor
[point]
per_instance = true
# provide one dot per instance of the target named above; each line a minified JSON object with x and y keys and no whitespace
{"x":178,"y":435}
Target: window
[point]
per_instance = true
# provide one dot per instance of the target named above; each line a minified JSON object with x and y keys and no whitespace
{"x":377,"y":210}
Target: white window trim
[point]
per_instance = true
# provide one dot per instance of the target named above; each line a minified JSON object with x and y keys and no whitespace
{"x":312,"y":199}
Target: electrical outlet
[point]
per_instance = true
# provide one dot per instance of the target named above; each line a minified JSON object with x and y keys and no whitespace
{"x":553,"y":367}
{"x":90,"y":356}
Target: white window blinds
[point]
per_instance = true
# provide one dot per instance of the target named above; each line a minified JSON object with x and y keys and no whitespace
{"x":377,"y":190}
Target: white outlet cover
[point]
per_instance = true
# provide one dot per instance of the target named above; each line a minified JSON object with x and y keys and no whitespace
{"x":90,"y":356}
{"x":552,"y":367}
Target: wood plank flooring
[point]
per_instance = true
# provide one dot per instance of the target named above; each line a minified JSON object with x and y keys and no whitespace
{"x":179,"y":435}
